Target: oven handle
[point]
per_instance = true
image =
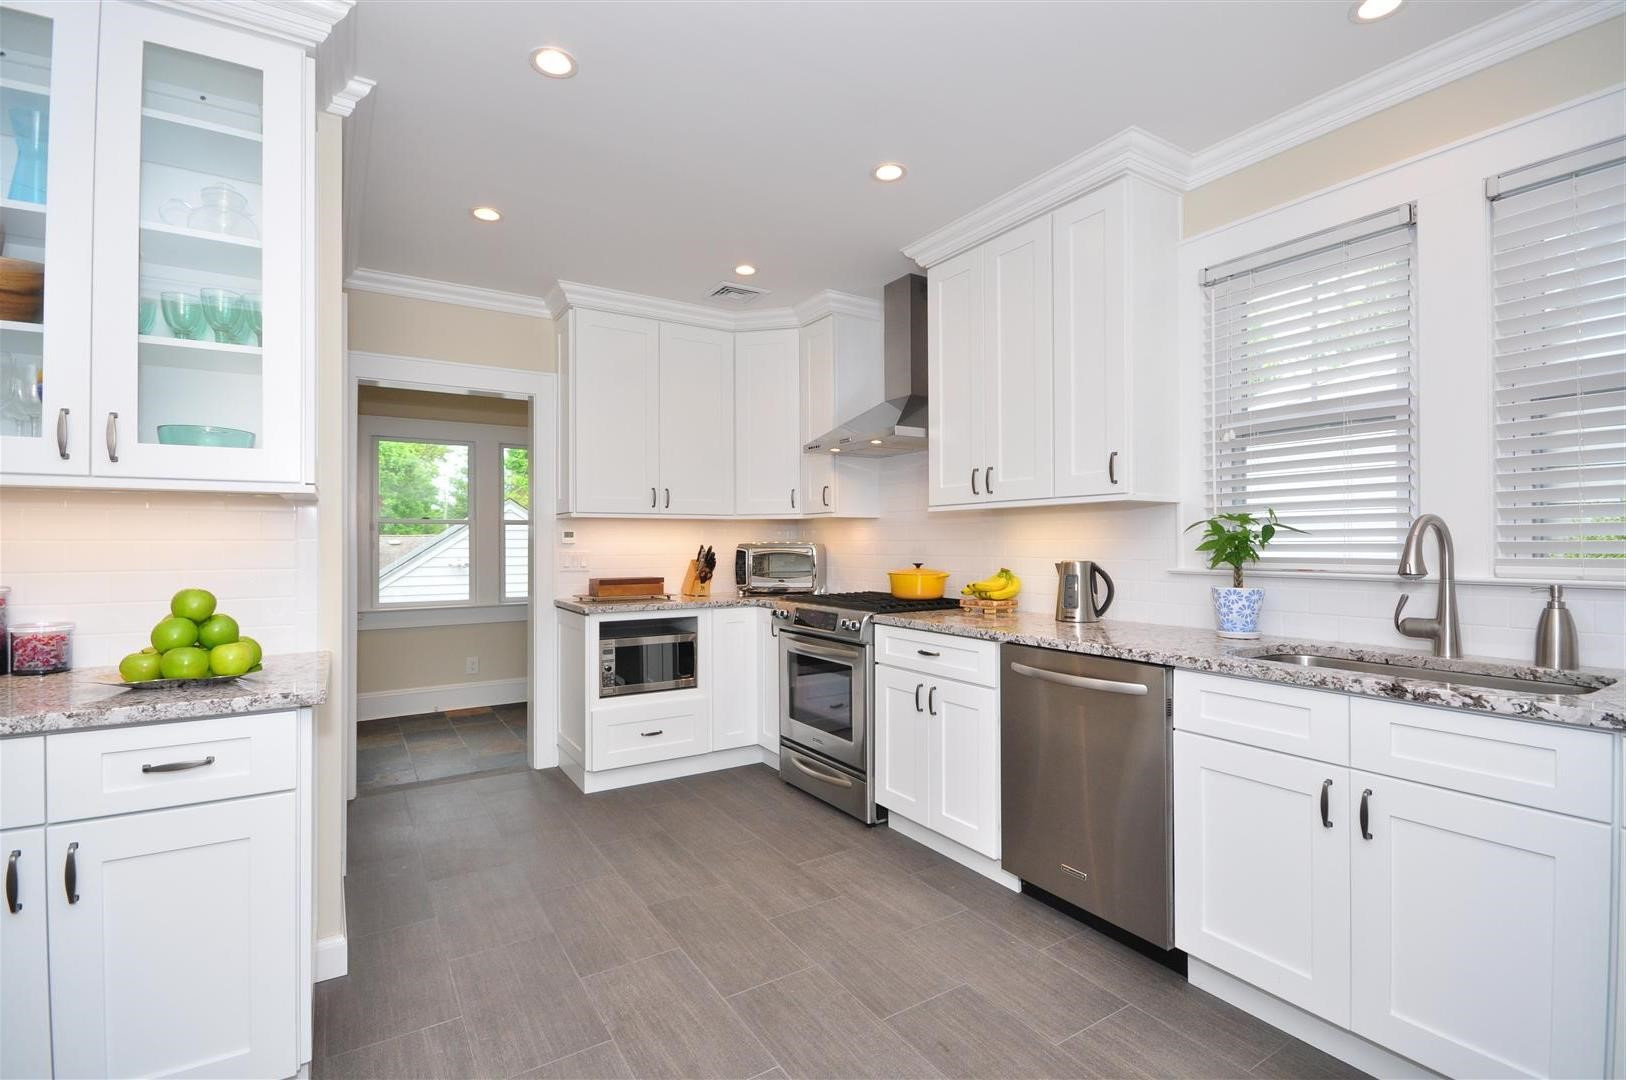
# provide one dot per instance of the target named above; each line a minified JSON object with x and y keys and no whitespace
{"x":798,"y":643}
{"x":828,"y":777}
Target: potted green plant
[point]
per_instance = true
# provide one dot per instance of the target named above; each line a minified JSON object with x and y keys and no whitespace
{"x":1234,"y":540}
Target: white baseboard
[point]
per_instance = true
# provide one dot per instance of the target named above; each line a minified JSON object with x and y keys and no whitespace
{"x":424,"y":699}
{"x":628,"y":775}
{"x":332,"y":957}
{"x":953,"y":849}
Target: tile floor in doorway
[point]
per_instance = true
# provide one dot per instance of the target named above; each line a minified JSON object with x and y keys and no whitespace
{"x":406,"y":749}
{"x":727,"y":925}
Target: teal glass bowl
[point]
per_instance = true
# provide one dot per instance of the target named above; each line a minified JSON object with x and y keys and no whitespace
{"x":203,"y":435}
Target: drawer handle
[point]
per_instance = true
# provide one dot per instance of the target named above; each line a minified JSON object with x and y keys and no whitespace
{"x":918,"y":687}
{"x":928,"y":652}
{"x":819,"y":774}
{"x":70,"y":874}
{"x":1326,"y":791}
{"x":11,"y":883}
{"x":652,"y":734}
{"x":1366,"y":833}
{"x":179,"y":766}
{"x":931,"y":701}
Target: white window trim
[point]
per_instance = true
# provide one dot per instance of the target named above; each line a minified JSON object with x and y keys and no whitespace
{"x":485,"y":603}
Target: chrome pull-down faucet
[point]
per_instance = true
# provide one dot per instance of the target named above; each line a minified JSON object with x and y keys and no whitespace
{"x":1443,"y":629}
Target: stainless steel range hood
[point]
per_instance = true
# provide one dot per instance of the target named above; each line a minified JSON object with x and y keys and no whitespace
{"x":897,"y":424}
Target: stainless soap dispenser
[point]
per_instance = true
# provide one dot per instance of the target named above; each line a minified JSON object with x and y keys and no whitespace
{"x":1555,"y":633}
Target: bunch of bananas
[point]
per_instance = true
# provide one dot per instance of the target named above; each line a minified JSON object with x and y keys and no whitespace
{"x":1001,"y":586}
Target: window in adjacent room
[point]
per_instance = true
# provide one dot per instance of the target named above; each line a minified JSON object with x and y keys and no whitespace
{"x":516,"y":522}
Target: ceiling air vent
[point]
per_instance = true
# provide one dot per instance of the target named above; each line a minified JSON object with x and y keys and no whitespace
{"x":735,"y":294}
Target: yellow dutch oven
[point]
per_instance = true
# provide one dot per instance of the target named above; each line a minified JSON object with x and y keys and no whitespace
{"x":917,"y":584}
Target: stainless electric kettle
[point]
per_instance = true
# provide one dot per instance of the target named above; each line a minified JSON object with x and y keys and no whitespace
{"x":1076,"y":589}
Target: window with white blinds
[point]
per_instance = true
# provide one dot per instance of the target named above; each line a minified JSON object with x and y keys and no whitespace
{"x":1558,"y":241}
{"x":1311,"y":396}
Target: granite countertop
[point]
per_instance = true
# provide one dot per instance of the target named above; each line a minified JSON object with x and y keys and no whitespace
{"x":86,"y":698}
{"x":676,"y":603}
{"x":1203,"y":650}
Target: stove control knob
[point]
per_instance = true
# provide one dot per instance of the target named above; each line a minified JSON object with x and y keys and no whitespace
{"x":849,"y":624}
{"x":781,"y":613}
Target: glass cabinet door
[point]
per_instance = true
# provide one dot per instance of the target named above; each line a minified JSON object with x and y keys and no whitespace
{"x":47,"y":138}
{"x":200,"y":243}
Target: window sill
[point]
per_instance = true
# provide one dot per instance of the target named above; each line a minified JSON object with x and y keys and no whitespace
{"x":458,"y":615}
{"x":1331,"y":576}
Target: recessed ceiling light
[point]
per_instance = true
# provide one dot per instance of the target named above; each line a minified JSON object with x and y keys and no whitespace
{"x":553,"y":62}
{"x":888,"y":171}
{"x":745,"y":269}
{"x":835,"y":449}
{"x":875,"y":442}
{"x":487,"y":214}
{"x":1368,"y":11}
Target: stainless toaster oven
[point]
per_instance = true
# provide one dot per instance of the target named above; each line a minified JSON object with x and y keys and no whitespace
{"x":779,"y":566}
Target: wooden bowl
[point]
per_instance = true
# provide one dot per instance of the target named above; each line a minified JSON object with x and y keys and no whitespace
{"x":22,"y":290}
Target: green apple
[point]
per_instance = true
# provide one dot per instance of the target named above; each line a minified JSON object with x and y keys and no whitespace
{"x":255,"y":645}
{"x":217,"y":630}
{"x":232,"y":658}
{"x":194,"y":604}
{"x":186,"y":662}
{"x":174,"y":632}
{"x":139,"y":666}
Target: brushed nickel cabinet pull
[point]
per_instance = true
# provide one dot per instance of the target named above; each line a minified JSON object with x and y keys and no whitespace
{"x":62,"y":434}
{"x":654,"y":499}
{"x":179,"y":766}
{"x":827,"y":494}
{"x":70,"y":874}
{"x":112,"y":436}
{"x":668,"y":505}
{"x":12,"y":903}
{"x":1326,"y":791}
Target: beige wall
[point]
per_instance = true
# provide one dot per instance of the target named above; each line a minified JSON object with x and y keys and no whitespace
{"x":420,"y":656}
{"x":456,"y":408}
{"x":1561,"y":71}
{"x":401,"y":326}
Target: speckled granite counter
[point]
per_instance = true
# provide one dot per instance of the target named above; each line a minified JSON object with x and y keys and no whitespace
{"x":86,"y":698}
{"x":676,"y":603}
{"x":1203,"y":650}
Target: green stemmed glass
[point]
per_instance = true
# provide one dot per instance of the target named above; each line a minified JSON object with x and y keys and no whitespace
{"x":183,"y":313}
{"x":251,"y":315}
{"x":147,"y":314}
{"x":224,"y":311}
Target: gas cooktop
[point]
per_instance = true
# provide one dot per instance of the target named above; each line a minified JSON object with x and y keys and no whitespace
{"x":846,"y":616}
{"x":876,"y":603}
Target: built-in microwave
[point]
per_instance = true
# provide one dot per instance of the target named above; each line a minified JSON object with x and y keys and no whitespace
{"x":643,"y":657}
{"x":779,"y":566}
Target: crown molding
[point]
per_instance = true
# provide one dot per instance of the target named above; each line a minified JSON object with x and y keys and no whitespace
{"x":305,"y":23}
{"x":830,"y":302}
{"x":345,"y":100}
{"x":1479,"y":47}
{"x":776,"y":318}
{"x":447,"y":292}
{"x":1130,"y":152}
{"x":575,"y":294}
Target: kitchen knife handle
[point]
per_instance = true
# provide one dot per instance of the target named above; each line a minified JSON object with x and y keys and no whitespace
{"x":112,"y":436}
{"x":62,"y":434}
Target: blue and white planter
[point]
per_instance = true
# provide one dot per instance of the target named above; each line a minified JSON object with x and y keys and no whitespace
{"x":1237,"y":611}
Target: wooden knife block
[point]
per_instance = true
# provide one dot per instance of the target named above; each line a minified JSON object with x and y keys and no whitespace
{"x":692,"y":585}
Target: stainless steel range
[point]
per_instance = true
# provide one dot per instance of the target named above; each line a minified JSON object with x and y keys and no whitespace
{"x":827,"y":693}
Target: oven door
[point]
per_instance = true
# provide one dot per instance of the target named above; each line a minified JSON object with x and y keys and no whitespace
{"x":822,"y":702}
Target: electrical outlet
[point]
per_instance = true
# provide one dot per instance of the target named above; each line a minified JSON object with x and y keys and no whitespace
{"x":471,"y":665}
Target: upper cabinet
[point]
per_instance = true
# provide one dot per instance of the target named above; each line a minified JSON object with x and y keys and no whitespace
{"x":840,"y":377}
{"x":767,"y":424}
{"x":1052,"y":360}
{"x":696,"y":403}
{"x":173,"y":344}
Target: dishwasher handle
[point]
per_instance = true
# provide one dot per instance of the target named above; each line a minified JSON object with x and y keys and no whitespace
{"x":1080,"y":682}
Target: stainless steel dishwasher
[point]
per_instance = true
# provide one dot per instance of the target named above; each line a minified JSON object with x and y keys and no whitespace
{"x":1084,"y":782}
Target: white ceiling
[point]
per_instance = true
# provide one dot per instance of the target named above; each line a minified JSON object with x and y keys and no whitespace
{"x":699,"y":135}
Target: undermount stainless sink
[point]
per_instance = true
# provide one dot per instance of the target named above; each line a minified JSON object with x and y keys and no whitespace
{"x":1441,"y":675}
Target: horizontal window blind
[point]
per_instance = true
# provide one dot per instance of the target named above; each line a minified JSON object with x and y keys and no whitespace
{"x":1311,"y":400}
{"x":1559,"y":305}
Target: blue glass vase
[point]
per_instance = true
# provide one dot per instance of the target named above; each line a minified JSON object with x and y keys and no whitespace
{"x":31,"y":128}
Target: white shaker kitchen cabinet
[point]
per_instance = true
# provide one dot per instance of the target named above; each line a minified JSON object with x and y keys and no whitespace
{"x":955,"y":403}
{"x":817,"y":361}
{"x":1481,"y":931}
{"x":203,"y":139}
{"x":25,"y":994}
{"x":1262,"y":875}
{"x":768,"y":675}
{"x":901,"y":731}
{"x":962,"y":764}
{"x":173,"y":941}
{"x":50,"y":66}
{"x":840,"y":360}
{"x":736,"y":689}
{"x":1013,"y":389}
{"x":767,"y":424}
{"x":696,"y":409}
{"x":614,"y":386}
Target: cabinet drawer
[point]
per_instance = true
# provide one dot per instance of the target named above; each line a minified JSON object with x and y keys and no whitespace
{"x":945,"y":655}
{"x":1308,"y":723}
{"x":97,"y":773}
{"x":22,"y":782}
{"x":1565,"y":770}
{"x":653,"y":732}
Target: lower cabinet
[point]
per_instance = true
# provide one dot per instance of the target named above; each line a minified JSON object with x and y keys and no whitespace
{"x":25,"y":1004}
{"x":673,"y":724}
{"x":900,"y":743}
{"x":736,"y":693}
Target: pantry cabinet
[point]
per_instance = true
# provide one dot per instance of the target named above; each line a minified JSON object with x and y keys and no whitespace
{"x":767,"y":425}
{"x":176,"y":231}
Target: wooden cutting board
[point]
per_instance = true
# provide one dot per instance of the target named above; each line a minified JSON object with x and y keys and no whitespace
{"x":626,"y":586}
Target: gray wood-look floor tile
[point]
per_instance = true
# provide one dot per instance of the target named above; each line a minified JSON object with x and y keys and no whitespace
{"x":890,"y":892}
{"x":443,"y":802}
{"x":657,"y":868}
{"x":602,"y":924}
{"x":489,"y":783}
{"x":383,"y":895}
{"x":901,"y":851}
{"x":610,"y":816}
{"x":399,"y":981}
{"x":728,"y":941}
{"x":866,"y":954}
{"x":1037,"y":924}
{"x":557,"y":854}
{"x":524,"y":1006}
{"x":775,"y":1073}
{"x":816,"y":1028}
{"x":670,"y":1022}
{"x":1301,"y":1061}
{"x":487,"y":907}
{"x":1131,"y":1043}
{"x":770,"y":882}
{"x":700,"y":826}
{"x":1239,"y":1038}
{"x":601,"y":1062}
{"x":440,"y":1052}
{"x":461,"y":845}
{"x":385,"y":808}
{"x":1049,"y":996}
{"x":963,"y":1034}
